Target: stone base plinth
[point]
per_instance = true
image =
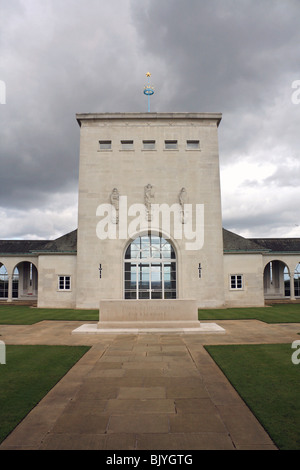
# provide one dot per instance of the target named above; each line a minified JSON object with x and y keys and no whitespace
{"x":91,"y":328}
{"x":176,"y":313}
{"x":148,"y":316}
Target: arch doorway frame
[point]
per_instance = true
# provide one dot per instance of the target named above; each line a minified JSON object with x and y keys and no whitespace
{"x":150,"y":268}
{"x":296,"y":279}
{"x":277,"y":279}
{"x":25,"y":276}
{"x":4,"y":282}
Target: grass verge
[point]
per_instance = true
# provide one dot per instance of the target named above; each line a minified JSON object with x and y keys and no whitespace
{"x":268,"y":382}
{"x":25,"y":315}
{"x":28,"y":375}
{"x":277,"y":313}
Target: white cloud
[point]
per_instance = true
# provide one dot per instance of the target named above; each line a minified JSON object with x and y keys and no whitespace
{"x":58,"y":218}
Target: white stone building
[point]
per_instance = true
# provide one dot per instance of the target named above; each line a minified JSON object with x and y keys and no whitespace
{"x":149,"y":225}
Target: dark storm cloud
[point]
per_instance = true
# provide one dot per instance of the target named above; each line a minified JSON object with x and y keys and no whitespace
{"x":58,"y":58}
{"x":224,"y":54}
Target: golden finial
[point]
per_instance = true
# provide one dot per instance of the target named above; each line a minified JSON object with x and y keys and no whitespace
{"x":148,"y":90}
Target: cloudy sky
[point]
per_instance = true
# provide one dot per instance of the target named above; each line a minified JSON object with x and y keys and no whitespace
{"x":62,"y":57}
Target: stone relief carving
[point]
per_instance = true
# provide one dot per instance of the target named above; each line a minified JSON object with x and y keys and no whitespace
{"x":114,"y":200}
{"x":182,"y":200}
{"x":148,"y":198}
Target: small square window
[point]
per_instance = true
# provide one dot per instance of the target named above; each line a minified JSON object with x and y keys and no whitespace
{"x":236,"y":281}
{"x":105,"y":145}
{"x":171,"y":145}
{"x":64,"y":282}
{"x":127,"y":144}
{"x":192,"y":144}
{"x":148,"y":144}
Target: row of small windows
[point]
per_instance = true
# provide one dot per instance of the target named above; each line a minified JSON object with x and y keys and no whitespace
{"x":64,"y":282}
{"x":106,"y":145}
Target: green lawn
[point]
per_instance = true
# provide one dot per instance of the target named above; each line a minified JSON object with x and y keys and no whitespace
{"x":263,"y":375}
{"x":277,"y":313}
{"x":29,"y":373}
{"x":25,"y":315}
{"x":268,"y":381}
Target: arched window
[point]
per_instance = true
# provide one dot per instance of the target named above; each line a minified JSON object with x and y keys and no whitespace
{"x":150,"y":269}
{"x":3,"y":282}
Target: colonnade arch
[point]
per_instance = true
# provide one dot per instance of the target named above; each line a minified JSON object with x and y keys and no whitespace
{"x":18,"y":280}
{"x":3,"y":281}
{"x":281,"y":279}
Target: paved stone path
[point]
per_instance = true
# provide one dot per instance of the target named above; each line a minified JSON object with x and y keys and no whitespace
{"x":139,"y":392}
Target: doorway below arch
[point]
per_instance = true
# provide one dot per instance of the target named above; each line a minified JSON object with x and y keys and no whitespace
{"x":276,"y":280}
{"x":3,"y":282}
{"x":297,"y":280}
{"x":25,"y":281}
{"x":150,"y":269}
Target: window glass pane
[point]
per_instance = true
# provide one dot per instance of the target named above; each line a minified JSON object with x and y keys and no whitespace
{"x":144,"y":276}
{"x":156,"y":294}
{"x":127,"y":144}
{"x":133,"y":277}
{"x":167,"y":276}
{"x":166,"y":251}
{"x":133,"y":251}
{"x":144,"y":295}
{"x":192,"y":144}
{"x":149,"y":144}
{"x":156,"y":277}
{"x":170,"y":295}
{"x":155,"y":247}
{"x":155,"y":240}
{"x":128,"y":285}
{"x":130,"y":295}
{"x":145,"y":247}
{"x":173,"y":270}
{"x":3,"y":282}
{"x":105,"y":144}
{"x":61,"y":282}
{"x":171,"y":144}
{"x":128,"y":253}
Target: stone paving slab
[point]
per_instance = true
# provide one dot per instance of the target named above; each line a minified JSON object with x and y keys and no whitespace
{"x":142,"y":392}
